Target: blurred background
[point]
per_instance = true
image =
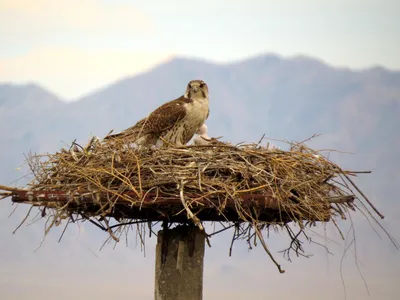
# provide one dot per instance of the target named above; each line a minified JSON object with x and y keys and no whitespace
{"x":286,"y":69}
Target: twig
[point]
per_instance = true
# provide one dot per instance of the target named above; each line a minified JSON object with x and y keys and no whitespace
{"x":308,"y":139}
{"x":219,"y":231}
{"x":128,"y":223}
{"x":365,"y":197}
{"x":23,"y":221}
{"x":262,"y":137}
{"x":13,"y":211}
{"x":96,"y":224}
{"x":114,"y":237}
{"x":5,"y":195}
{"x":260,"y":237}
{"x":234,"y":237}
{"x":341,"y":199}
{"x":190,"y":214}
{"x":62,"y":234}
{"x":9,"y":188}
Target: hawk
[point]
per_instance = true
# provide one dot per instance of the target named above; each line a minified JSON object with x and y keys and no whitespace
{"x":174,"y":122}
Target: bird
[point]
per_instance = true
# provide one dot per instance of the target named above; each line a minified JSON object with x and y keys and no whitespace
{"x":202,"y":137}
{"x":174,"y":122}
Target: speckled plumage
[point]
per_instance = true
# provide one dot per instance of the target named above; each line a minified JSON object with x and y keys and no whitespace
{"x":175,"y":122}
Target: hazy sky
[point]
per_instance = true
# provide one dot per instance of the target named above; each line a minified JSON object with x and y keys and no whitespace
{"x":73,"y":47}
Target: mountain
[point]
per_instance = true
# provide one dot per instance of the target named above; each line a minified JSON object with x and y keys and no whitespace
{"x":356,"y":111}
{"x":22,"y":105}
{"x":28,"y":116}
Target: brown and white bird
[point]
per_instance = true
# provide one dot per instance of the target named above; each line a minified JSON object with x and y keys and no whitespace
{"x":174,"y":122}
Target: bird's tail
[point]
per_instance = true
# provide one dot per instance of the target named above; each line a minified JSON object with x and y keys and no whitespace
{"x":133,"y":133}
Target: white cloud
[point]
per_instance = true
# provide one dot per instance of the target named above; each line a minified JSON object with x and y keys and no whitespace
{"x":73,"y":47}
{"x":86,"y":16}
{"x":72,"y":72}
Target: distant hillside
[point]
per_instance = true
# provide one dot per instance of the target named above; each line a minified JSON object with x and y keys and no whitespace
{"x":292,"y":99}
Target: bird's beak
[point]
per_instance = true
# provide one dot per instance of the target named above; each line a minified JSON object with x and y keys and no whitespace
{"x":195,"y":89}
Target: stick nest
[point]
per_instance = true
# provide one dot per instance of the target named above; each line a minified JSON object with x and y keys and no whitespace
{"x":252,"y":186}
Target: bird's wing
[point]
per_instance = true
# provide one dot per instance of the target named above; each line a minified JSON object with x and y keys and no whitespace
{"x":166,"y":116}
{"x":160,"y":120}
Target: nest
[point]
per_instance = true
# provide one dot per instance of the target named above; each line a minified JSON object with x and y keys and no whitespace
{"x":253,"y":186}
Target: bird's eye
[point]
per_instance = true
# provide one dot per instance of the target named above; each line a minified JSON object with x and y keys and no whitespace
{"x":201,"y":85}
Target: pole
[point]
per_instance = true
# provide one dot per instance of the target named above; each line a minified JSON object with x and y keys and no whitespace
{"x":179,"y":263}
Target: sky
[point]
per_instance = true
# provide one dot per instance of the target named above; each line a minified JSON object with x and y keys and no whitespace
{"x":75,"y":268}
{"x":75,"y":47}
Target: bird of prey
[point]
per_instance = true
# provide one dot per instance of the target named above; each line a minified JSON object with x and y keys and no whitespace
{"x":202,"y":137}
{"x":174,"y":122}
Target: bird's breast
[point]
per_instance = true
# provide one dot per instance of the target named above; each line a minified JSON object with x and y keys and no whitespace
{"x":196,"y":115}
{"x":197,"y":111}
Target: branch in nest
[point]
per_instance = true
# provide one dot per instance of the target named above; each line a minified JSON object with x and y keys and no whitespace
{"x":5,"y":195}
{"x":109,"y":230}
{"x":8,"y":188}
{"x":341,"y":199}
{"x":190,"y":214}
{"x":365,"y":197}
{"x":261,"y":238}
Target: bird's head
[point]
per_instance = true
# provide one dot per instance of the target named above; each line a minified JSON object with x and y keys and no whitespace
{"x":196,"y":89}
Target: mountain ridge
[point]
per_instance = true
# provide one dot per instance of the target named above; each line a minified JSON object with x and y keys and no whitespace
{"x":177,"y":60}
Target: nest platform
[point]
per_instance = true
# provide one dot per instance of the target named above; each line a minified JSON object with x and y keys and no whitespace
{"x":216,"y":182}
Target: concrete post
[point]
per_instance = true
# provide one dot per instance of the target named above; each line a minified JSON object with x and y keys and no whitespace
{"x":179,"y":264}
